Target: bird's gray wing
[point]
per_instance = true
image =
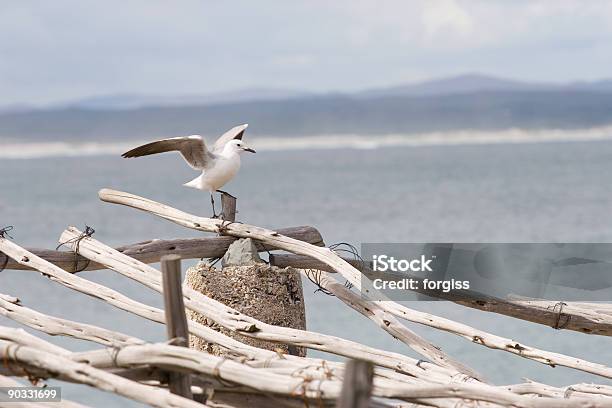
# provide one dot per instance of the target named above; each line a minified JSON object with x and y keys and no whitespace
{"x":192,"y":148}
{"x":234,"y":133}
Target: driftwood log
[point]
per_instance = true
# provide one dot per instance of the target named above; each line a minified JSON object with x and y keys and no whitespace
{"x":152,"y":251}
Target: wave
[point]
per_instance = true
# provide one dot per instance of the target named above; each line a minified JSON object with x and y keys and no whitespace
{"x":17,"y":150}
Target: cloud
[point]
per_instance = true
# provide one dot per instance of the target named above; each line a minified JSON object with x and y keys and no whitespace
{"x":67,"y":49}
{"x":448,"y":17}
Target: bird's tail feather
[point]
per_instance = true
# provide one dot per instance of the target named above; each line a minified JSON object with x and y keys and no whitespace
{"x":196,"y":183}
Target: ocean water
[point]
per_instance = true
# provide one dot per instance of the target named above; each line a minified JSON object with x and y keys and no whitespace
{"x":504,"y":192}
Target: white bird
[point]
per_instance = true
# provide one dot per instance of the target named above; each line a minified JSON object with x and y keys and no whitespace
{"x":218,"y":165}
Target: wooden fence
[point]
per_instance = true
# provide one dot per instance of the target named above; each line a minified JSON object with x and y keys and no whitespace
{"x":172,"y":375}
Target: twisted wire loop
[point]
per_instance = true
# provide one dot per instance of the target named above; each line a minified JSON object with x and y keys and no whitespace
{"x":314,"y":275}
{"x":345,"y":247}
{"x":421,"y":361}
{"x":4,"y":234}
{"x":222,"y":229}
{"x":89,"y":231}
{"x":557,"y":324}
{"x":301,"y":390}
{"x":6,"y":362}
{"x":217,"y":374}
{"x":4,"y":231}
{"x":114,"y":350}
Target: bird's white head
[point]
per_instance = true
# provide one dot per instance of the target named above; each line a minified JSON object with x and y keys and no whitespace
{"x":236,"y":146}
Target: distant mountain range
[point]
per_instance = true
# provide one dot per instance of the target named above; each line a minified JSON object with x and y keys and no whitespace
{"x":136,"y":101}
{"x":463,"y":102}
{"x":471,"y":83}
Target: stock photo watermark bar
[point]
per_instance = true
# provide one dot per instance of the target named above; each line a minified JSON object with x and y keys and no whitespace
{"x":455,"y":271}
{"x":30,"y":394}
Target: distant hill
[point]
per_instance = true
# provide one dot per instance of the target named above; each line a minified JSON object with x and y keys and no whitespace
{"x":135,"y":101}
{"x":466,"y":102}
{"x":468,"y":83}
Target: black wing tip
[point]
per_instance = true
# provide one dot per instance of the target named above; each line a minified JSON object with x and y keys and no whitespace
{"x":136,"y":152}
{"x":241,"y":133}
{"x":129,"y":155}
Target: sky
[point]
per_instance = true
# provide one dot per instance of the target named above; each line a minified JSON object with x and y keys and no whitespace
{"x":57,"y":51}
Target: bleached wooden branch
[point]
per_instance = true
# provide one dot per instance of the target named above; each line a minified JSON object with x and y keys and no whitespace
{"x":264,"y":380}
{"x":231,"y":319}
{"x":591,"y":389}
{"x":11,"y":308}
{"x":195,"y":361}
{"x":575,"y":390}
{"x":275,"y":239}
{"x":61,"y":367}
{"x":22,"y":337}
{"x":152,"y":251}
{"x":481,"y":337}
{"x":582,"y":317}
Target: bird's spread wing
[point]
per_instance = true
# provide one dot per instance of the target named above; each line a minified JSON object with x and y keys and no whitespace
{"x":234,"y":133}
{"x":192,"y":148}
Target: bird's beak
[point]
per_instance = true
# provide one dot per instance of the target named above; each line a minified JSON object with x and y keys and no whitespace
{"x":248,"y":149}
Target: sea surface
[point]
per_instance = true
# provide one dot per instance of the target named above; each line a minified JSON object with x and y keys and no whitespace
{"x":559,"y":191}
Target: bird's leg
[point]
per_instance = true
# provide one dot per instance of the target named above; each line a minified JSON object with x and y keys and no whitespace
{"x":212,"y":201}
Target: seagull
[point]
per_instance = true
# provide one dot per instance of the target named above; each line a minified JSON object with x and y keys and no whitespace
{"x":218,"y":165}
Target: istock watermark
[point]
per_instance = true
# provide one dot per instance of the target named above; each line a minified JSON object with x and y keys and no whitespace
{"x":458,"y":271}
{"x":21,"y":395}
{"x":387,"y":263}
{"x":384,"y":263}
